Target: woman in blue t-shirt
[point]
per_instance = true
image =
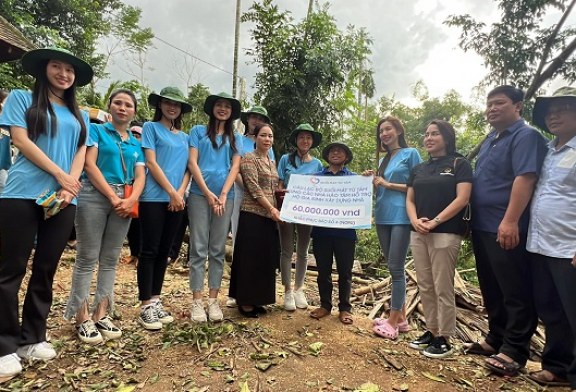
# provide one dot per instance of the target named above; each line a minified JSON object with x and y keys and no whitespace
{"x":304,"y":138}
{"x":50,"y":132}
{"x":162,"y":201}
{"x":214,"y":163}
{"x":113,"y":158}
{"x":392,"y":223}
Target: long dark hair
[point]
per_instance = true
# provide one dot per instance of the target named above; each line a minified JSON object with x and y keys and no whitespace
{"x":176,"y":123}
{"x":397,"y":124}
{"x":212,"y":132}
{"x":37,"y":114}
{"x":448,"y":134}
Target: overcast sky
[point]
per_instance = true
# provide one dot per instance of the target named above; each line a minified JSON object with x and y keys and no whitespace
{"x":411,"y":43}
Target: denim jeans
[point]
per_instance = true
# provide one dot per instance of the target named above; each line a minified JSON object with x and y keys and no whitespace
{"x":100,"y":233}
{"x":208,"y":234}
{"x":394,"y":241}
{"x":287,"y":243}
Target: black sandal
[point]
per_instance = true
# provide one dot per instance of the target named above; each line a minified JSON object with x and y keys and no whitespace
{"x":477,"y":349}
{"x":508,"y":369}
{"x":248,"y":313}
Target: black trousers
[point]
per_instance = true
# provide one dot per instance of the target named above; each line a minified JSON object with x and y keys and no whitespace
{"x":134,"y":237}
{"x":158,"y":227}
{"x":506,"y":283}
{"x":179,"y":237}
{"x":326,"y":249}
{"x":22,"y":222}
{"x":555,"y":298}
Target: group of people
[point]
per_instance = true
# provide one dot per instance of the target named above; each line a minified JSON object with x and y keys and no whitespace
{"x":70,"y":173}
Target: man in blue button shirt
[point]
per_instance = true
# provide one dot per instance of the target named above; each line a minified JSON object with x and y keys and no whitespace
{"x":506,"y":172}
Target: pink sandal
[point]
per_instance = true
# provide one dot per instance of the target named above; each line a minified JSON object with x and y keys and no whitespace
{"x":385,"y":330}
{"x":402,"y":327}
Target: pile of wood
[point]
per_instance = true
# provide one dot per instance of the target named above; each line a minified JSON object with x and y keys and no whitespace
{"x":373,"y":296}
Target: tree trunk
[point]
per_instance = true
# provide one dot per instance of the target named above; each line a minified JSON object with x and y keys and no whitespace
{"x":236,"y":44}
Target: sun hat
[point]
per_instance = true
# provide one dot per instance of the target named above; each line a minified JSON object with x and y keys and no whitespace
{"x":543,"y":103}
{"x":327,"y":149}
{"x":34,"y":63}
{"x":173,"y":94}
{"x":261,"y":110}
{"x":211,"y":100}
{"x":316,"y":136}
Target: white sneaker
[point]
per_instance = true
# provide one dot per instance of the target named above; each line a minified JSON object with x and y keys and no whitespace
{"x":42,"y":351}
{"x":300,"y":299}
{"x":163,"y":315}
{"x":10,"y":365}
{"x":88,"y":333}
{"x":197,"y":312}
{"x":149,"y":319}
{"x":289,"y":303}
{"x":231,"y":302}
{"x":108,"y":329}
{"x":214,"y":311}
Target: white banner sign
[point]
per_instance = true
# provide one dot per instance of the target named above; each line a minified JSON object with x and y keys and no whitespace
{"x":343,"y":202}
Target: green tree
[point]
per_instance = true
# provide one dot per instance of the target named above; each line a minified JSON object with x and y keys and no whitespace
{"x":308,"y":69}
{"x":197,"y":94}
{"x":518,"y":49}
{"x":77,"y":25}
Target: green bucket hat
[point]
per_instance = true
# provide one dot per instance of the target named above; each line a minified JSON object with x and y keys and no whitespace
{"x":349,"y":154}
{"x":173,"y":94}
{"x":261,"y":110}
{"x":211,"y":100}
{"x":34,"y":63}
{"x":543,"y":103}
{"x":316,"y":136}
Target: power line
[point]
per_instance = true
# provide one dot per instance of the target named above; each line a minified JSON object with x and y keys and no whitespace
{"x":195,"y":57}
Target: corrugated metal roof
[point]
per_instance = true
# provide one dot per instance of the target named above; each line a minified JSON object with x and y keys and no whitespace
{"x":13,"y":44}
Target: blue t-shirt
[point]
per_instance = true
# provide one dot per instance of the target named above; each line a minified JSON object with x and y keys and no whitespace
{"x":518,"y":150}
{"x":390,"y":208}
{"x":108,"y":142}
{"x":25,"y":179}
{"x":214,"y":163}
{"x":5,"y":151}
{"x":332,"y":231}
{"x":285,"y":168}
{"x":171,"y":155}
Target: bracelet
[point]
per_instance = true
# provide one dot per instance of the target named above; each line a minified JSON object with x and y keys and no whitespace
{"x":437,"y":220}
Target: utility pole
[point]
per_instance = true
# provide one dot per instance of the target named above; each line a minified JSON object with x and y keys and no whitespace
{"x":236,"y":45}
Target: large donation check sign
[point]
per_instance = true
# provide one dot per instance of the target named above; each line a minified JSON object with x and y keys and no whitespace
{"x":343,"y":202}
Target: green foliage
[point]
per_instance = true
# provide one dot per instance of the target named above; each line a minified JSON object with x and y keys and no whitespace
{"x":77,"y":25}
{"x":309,"y":69}
{"x":518,"y":49}
{"x":197,"y":94}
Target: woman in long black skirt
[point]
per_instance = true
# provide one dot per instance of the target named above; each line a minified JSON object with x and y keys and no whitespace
{"x":257,"y":247}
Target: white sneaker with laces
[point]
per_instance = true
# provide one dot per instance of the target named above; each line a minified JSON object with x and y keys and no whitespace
{"x":42,"y":351}
{"x":163,"y":315}
{"x":10,"y":365}
{"x":300,"y":299}
{"x":149,"y":319}
{"x":197,"y":312}
{"x":108,"y":329}
{"x":88,"y":333}
{"x":289,"y":303}
{"x":214,"y":311}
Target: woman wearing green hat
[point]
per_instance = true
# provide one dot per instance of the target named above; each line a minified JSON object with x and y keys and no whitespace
{"x":214,"y":163}
{"x":304,"y":138}
{"x":162,"y":201}
{"x":50,"y":132}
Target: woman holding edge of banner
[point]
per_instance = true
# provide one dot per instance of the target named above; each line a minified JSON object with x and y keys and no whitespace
{"x":392,"y":223}
{"x":332,"y":243}
{"x":304,"y":138}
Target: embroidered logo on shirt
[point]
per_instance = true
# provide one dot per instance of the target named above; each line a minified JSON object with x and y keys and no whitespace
{"x":447,"y":172}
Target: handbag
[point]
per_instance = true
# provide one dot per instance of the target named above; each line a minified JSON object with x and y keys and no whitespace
{"x":128,"y":188}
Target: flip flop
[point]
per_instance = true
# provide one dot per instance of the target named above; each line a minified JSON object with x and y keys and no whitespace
{"x":385,"y":330}
{"x":541,"y":378}
{"x":319,"y":313}
{"x":476,"y":348}
{"x":345,"y":317}
{"x":504,"y":368}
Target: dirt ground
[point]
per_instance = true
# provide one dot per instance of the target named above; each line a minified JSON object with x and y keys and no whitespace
{"x":281,"y":351}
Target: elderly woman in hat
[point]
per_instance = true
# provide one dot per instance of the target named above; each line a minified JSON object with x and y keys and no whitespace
{"x":214,"y":163}
{"x":332,"y":243}
{"x":300,"y":161}
{"x":50,"y":132}
{"x":552,"y":239}
{"x":162,"y":201}
{"x":113,"y":158}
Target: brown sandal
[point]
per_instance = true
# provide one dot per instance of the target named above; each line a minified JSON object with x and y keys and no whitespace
{"x":345,"y":317}
{"x":319,"y":313}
